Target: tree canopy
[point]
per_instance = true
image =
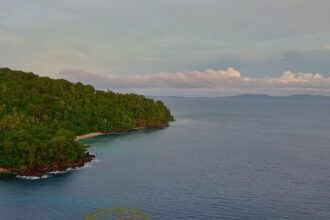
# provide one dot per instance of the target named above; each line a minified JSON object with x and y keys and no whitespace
{"x":40,"y":117}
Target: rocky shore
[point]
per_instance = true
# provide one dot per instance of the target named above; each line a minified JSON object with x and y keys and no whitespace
{"x":4,"y":170}
{"x":39,"y":171}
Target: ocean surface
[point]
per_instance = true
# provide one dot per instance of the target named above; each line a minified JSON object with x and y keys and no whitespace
{"x":220,"y":159}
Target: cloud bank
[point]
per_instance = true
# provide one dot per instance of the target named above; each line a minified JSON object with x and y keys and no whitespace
{"x":266,"y":36}
{"x":229,"y":81}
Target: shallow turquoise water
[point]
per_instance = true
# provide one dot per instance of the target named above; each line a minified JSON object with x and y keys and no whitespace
{"x":221,"y":159}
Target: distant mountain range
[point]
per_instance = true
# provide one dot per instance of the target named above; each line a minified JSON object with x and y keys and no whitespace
{"x":264,"y":97}
{"x":291,"y":97}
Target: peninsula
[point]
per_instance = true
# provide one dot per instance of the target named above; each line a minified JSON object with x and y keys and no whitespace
{"x":41,"y":120}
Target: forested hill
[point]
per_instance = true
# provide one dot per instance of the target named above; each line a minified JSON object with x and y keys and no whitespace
{"x":40,"y":117}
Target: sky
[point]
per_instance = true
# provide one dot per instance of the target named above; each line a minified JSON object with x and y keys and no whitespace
{"x":172,"y":47}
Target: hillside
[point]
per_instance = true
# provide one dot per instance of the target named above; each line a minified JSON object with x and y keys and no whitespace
{"x":40,"y":117}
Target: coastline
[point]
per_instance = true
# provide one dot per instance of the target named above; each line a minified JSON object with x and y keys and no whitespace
{"x":100,"y":133}
{"x":4,"y":170}
{"x":88,"y":135}
{"x":39,"y":172}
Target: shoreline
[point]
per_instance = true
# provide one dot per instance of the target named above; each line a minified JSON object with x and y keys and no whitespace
{"x":39,"y":172}
{"x":88,"y":135}
{"x":58,"y":168}
{"x":4,"y":170}
{"x":100,"y":133}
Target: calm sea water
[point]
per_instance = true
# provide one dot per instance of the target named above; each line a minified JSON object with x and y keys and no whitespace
{"x":221,"y":159}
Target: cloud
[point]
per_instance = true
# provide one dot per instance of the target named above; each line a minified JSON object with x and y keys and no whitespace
{"x":289,"y":77}
{"x":306,"y":59}
{"x":189,"y":79}
{"x":228,"y":81}
{"x":152,"y":59}
{"x":148,"y":36}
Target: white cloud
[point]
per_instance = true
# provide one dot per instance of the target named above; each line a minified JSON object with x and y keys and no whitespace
{"x":289,"y":77}
{"x":327,"y":47}
{"x":152,"y":59}
{"x":228,"y":81}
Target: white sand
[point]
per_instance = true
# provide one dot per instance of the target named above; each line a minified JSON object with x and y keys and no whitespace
{"x":89,"y":135}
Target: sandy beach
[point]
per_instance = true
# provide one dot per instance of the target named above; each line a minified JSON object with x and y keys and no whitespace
{"x":3,"y":170}
{"x":99,"y":133}
{"x":89,"y":135}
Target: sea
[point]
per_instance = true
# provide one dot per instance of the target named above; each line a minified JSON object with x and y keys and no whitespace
{"x":222,"y":158}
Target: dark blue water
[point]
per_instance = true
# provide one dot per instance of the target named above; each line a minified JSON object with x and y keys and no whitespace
{"x":221,"y":159}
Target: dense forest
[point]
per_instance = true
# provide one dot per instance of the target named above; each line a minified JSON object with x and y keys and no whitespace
{"x":40,"y":118}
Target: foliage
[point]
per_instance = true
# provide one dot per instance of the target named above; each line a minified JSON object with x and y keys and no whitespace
{"x":40,"y":117}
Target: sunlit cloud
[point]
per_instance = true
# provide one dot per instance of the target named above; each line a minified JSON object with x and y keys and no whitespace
{"x":229,"y":80}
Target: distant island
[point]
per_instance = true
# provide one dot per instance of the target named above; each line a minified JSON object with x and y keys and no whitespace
{"x":298,"y":97}
{"x":289,"y":97}
{"x":41,"y":120}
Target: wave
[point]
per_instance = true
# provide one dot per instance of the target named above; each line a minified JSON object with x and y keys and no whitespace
{"x":32,"y":177}
{"x":53,"y":173}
